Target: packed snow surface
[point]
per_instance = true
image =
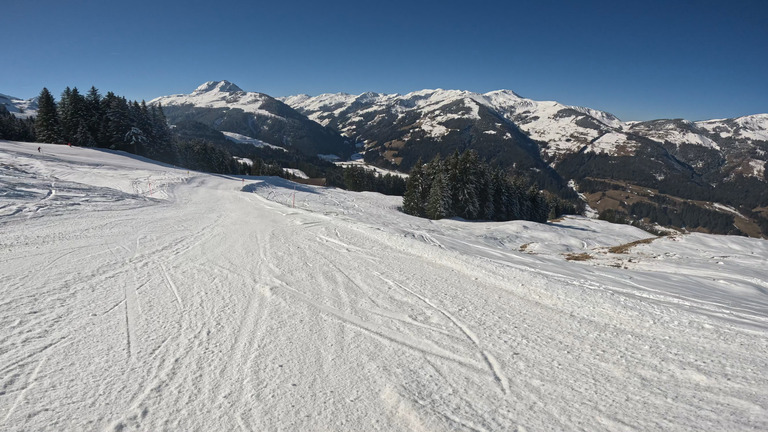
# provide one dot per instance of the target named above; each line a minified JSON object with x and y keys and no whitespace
{"x":138,"y":296}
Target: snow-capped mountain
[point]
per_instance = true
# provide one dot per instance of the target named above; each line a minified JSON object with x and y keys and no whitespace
{"x":562,"y":128}
{"x":559,"y":129}
{"x":219,"y":94}
{"x":19,"y":107}
{"x":395,"y":127}
{"x":226,"y":107}
{"x":398,"y":130}
{"x":727,"y":146}
{"x":672,"y":163}
{"x":692,"y":162}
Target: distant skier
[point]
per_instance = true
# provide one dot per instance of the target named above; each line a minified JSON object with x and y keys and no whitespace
{"x":38,"y":150}
{"x":69,"y":144}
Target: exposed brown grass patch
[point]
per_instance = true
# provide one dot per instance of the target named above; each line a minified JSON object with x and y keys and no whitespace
{"x":523,"y":247}
{"x":622,"y":249}
{"x":578,"y":256}
{"x":394,"y":144}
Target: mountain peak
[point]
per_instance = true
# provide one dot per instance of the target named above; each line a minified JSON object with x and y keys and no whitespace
{"x":218,"y":86}
{"x":505,"y":94}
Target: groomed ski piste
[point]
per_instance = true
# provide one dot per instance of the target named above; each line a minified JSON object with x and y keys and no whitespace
{"x":139,"y":296}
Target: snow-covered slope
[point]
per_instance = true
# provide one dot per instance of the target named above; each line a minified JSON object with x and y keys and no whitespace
{"x":19,"y":107}
{"x":137,"y":296}
{"x":734,"y":146}
{"x":564,"y":129}
{"x":236,"y":137}
{"x":754,"y":127}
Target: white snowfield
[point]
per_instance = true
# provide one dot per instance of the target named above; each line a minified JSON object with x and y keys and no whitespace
{"x":137,"y":296}
{"x":238,"y":138}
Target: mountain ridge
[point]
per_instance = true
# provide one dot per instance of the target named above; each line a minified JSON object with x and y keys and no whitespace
{"x":226,"y":107}
{"x":722,"y":161}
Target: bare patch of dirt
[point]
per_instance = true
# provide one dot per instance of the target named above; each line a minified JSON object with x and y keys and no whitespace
{"x":622,"y":249}
{"x":578,"y":256}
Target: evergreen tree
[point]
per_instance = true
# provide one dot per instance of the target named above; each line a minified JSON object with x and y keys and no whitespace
{"x":15,"y":129}
{"x":64,"y":112}
{"x":93,"y":115}
{"x":72,"y":112}
{"x":431,"y":171}
{"x":136,"y":139}
{"x":465,"y":200}
{"x":160,"y":132}
{"x":47,"y":121}
{"x":451,"y":167}
{"x":415,"y":190}
{"x":116,"y":123}
{"x":83,"y":135}
{"x":485,"y":193}
{"x":539,"y":205}
{"x":439,"y":201}
{"x":522,"y":201}
{"x":500,"y":190}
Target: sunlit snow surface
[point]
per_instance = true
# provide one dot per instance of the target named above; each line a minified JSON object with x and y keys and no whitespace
{"x":238,"y":138}
{"x":137,"y":296}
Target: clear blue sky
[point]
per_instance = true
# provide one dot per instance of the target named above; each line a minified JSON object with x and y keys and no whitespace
{"x":638,"y":60}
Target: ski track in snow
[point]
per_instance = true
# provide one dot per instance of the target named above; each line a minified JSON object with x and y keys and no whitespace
{"x":208,"y":304}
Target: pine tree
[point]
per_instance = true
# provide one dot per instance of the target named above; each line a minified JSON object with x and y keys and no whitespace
{"x":93,"y":115}
{"x":520,"y":207}
{"x":485,"y":193}
{"x":63,"y":110}
{"x":160,"y":133}
{"x":413,"y":203}
{"x":539,"y":206}
{"x":465,"y":201}
{"x":47,"y":122}
{"x":16,"y":129}
{"x":116,"y":122}
{"x":500,"y":192}
{"x":439,"y":201}
{"x":451,"y":167}
{"x":479,"y":192}
{"x":83,"y":135}
{"x":72,"y":112}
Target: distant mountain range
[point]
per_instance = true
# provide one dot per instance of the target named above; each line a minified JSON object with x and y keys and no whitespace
{"x":717,"y":166}
{"x":386,"y":122}
{"x":19,"y":107}
{"x":670,"y":165}
{"x":225,"y":107}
